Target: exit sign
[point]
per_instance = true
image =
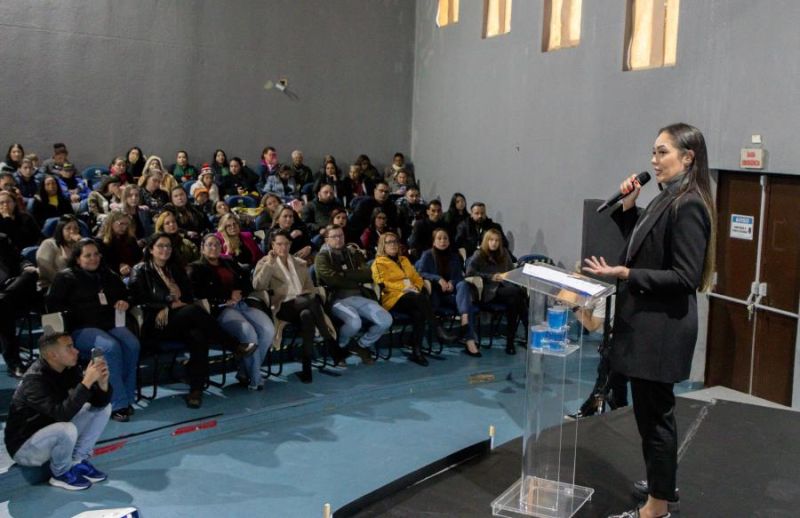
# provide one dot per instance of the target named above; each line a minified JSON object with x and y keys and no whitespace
{"x":752,"y":158}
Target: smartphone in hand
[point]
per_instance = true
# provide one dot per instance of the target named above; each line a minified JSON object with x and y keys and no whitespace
{"x":97,"y":355}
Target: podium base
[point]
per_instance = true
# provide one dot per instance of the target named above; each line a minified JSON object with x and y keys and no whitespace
{"x":542,"y":498}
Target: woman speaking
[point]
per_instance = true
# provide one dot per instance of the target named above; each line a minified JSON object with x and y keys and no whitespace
{"x":668,"y":256}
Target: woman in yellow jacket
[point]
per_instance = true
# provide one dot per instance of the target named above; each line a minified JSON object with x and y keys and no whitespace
{"x":402,"y":289}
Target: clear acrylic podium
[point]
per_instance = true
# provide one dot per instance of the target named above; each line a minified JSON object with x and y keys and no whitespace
{"x":547,"y":486}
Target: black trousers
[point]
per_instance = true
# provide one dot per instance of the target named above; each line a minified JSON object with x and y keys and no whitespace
{"x":513,"y":297}
{"x":15,"y":298}
{"x":418,"y":307}
{"x":191,"y":325}
{"x":654,"y":408}
{"x":306,"y":313}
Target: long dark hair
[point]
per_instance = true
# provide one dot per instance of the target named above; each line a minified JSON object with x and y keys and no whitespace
{"x":151,"y":242}
{"x":77,"y":250}
{"x":44,"y":197}
{"x":442,"y":257}
{"x":63,"y":221}
{"x":11,"y":162}
{"x":688,"y":138}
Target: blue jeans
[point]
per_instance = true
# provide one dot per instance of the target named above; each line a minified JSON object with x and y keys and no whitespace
{"x":351,"y":311}
{"x":247,"y":325}
{"x":121,"y":350}
{"x":65,"y":444}
{"x":461,"y":300}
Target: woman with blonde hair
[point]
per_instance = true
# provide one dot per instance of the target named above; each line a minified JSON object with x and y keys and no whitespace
{"x":402,"y":289}
{"x":239,"y":246}
{"x":121,"y":251}
{"x":490,"y":262}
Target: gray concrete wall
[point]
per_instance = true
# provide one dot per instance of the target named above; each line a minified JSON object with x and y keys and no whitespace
{"x":532,"y":134}
{"x":168,"y":74}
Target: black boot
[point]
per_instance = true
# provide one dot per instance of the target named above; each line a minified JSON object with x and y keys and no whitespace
{"x":338,"y":354}
{"x":305,"y":375}
{"x":417,"y":356}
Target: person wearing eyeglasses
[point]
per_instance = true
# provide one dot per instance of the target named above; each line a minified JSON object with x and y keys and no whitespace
{"x":402,"y":289}
{"x":160,"y":285}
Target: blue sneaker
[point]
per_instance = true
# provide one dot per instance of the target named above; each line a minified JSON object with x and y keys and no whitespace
{"x":72,"y":480}
{"x":89,"y":472}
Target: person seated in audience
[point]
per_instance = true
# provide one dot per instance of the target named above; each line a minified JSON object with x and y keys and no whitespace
{"x":153,"y":163}
{"x":344,"y":272}
{"x":51,"y":201}
{"x":183,"y":250}
{"x":118,"y":168}
{"x":225,"y":285}
{"x":368,"y":171}
{"x":456,"y":213}
{"x":26,"y":179}
{"x":378,"y":226}
{"x":19,"y":226}
{"x":399,"y":162}
{"x":331,"y":177}
{"x":321,"y":171}
{"x":220,"y":166}
{"x":410,"y":208}
{"x":202,"y":202}
{"x":470,"y":232}
{"x":134,"y":163}
{"x":17,"y":295}
{"x":152,"y":195}
{"x":118,"y":244}
{"x":55,"y":163}
{"x":110,"y":189}
{"x":237,"y":245}
{"x":362,"y":214}
{"x":270,"y":203}
{"x":317,"y":213}
{"x":400,"y":183}
{"x":140,"y":215}
{"x":421,"y":236}
{"x":490,"y":262}
{"x":8,"y":183}
{"x":206,"y":181}
{"x":444,"y":267}
{"x":54,"y":252}
{"x":94,"y":302}
{"x":294,"y":299}
{"x":286,"y":219}
{"x":34,"y":158}
{"x":220,"y":209}
{"x":339,"y":217}
{"x":71,"y":185}
{"x":160,"y":285}
{"x":14,"y":157}
{"x":58,"y":412}
{"x":239,"y":182}
{"x":182,"y":170}
{"x":355,"y":185}
{"x":402,"y":289}
{"x":303,"y":175}
{"x":283,"y":185}
{"x":268,"y":166}
{"x":191,"y":219}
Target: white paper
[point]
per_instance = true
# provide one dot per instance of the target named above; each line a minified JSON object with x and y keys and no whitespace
{"x":562,"y":279}
{"x":742,"y":226}
{"x":119,"y":318}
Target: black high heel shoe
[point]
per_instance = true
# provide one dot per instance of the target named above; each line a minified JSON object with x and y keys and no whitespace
{"x":476,"y":354}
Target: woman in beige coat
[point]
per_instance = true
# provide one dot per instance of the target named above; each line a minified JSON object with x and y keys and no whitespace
{"x":294,"y":298}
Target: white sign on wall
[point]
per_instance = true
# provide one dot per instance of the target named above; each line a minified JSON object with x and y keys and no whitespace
{"x":742,"y":226}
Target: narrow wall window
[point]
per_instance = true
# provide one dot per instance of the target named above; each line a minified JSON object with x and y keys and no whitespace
{"x":651,"y":34}
{"x":562,"y":24}
{"x":496,"y":17}
{"x":447,"y":13}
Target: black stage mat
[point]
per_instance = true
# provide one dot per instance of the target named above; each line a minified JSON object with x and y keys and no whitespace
{"x":736,"y":460}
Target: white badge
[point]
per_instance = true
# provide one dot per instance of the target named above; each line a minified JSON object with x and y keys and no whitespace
{"x":119,"y":318}
{"x":103,"y":299}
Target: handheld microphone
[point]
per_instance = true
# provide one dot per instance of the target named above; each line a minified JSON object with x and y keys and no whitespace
{"x":642,"y":178}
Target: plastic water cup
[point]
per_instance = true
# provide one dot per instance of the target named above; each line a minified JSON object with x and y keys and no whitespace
{"x":555,"y":345}
{"x":558,"y":334}
{"x":538,"y":335}
{"x":557,"y":317}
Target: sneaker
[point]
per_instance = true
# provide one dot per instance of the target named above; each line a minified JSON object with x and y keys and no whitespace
{"x":89,"y":472}
{"x":72,"y":480}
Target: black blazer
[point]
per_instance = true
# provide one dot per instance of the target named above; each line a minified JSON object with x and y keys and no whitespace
{"x":76,"y":293}
{"x":149,"y":291}
{"x":206,"y":284}
{"x":655,"y":321}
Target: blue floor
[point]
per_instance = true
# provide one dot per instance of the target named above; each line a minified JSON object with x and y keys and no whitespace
{"x":292,"y":448}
